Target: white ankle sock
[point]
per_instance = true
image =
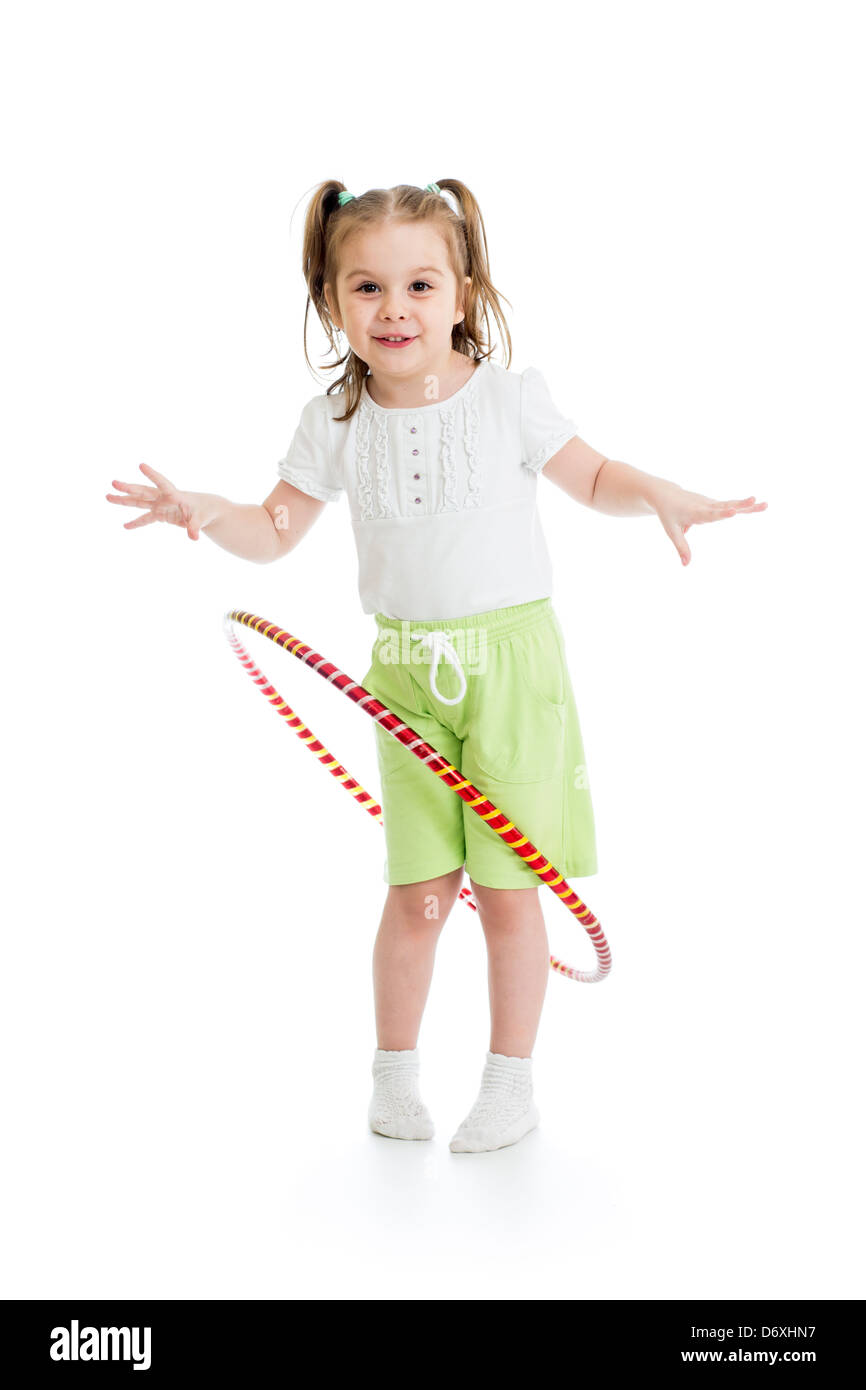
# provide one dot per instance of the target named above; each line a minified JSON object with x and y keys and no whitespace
{"x":504,"y":1110}
{"x":396,"y":1109}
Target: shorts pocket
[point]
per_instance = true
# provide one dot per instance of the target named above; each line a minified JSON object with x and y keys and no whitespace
{"x":541,"y":664}
{"x":518,"y":734}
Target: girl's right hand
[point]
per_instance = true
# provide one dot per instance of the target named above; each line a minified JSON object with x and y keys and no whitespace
{"x":191,"y":510}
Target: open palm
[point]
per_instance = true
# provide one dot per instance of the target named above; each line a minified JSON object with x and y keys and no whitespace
{"x":162,"y":502}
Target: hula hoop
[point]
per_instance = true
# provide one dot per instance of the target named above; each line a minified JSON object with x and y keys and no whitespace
{"x":450,"y":775}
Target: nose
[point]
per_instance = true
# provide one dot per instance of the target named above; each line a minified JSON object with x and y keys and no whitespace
{"x":393,"y":308}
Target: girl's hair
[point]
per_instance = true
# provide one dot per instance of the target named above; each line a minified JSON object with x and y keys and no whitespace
{"x":329,"y":223}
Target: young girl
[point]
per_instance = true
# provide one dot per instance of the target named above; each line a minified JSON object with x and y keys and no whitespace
{"x":438,"y":449}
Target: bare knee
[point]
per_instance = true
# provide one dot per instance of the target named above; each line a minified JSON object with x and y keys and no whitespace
{"x":504,"y":906}
{"x":429,"y":901}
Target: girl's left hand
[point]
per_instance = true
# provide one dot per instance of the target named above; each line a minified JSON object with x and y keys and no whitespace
{"x":677,"y":510}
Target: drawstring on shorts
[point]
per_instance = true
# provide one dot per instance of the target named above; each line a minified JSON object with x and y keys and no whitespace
{"x":494,"y":626}
{"x":440,"y":645}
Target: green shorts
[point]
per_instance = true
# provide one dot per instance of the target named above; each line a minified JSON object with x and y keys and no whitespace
{"x":512,"y":730}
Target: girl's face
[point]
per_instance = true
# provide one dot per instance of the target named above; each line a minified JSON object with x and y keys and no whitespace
{"x":396,"y":280}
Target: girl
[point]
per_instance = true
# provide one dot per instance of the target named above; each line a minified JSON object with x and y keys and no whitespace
{"x":438,"y":449}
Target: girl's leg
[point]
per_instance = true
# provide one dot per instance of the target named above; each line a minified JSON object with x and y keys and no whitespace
{"x":518,"y":962}
{"x":518,"y":957}
{"x":403,"y":955}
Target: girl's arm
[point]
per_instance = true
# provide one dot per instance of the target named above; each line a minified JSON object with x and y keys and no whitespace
{"x":264,"y":531}
{"x":616,"y":488}
{"x":260,"y":531}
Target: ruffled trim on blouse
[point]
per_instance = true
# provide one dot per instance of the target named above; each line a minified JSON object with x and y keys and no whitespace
{"x":471,"y":430}
{"x":548,"y":449}
{"x":383,"y":466}
{"x":304,"y":483}
{"x":447,"y":459}
{"x":362,"y":456}
{"x":372,"y":432}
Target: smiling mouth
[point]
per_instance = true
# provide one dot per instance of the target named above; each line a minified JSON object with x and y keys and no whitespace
{"x":398,"y":338}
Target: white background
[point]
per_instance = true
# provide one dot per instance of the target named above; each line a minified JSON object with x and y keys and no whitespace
{"x":671,"y":200}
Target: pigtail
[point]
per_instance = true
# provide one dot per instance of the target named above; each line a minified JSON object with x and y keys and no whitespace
{"x":323,"y":205}
{"x":482,"y":295}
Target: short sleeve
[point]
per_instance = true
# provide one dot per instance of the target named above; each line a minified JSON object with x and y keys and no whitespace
{"x":308,"y":463}
{"x":543,"y":429}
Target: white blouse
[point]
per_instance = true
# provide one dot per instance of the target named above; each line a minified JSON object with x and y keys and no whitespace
{"x":442,"y":496}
